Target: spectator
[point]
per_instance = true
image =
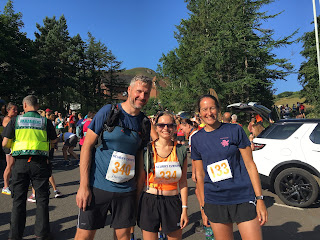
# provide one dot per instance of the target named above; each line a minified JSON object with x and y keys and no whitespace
{"x":70,"y":141}
{"x":253,"y":120}
{"x":72,"y":122}
{"x":48,"y":112}
{"x":80,"y":119}
{"x":234,"y":119}
{"x":226,"y":118}
{"x":257,"y":128}
{"x":302,"y":107}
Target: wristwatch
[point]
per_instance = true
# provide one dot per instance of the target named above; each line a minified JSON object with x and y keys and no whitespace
{"x":260,"y":197}
{"x":202,"y":207}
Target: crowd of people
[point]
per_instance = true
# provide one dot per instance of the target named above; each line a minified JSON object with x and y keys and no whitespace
{"x":296,"y":111}
{"x":135,"y":168}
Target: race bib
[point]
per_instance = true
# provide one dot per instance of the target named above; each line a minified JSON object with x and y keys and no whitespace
{"x":219,"y":171}
{"x":121,"y":167}
{"x":167,"y":172}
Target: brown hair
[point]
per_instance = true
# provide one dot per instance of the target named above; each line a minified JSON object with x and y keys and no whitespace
{"x":52,"y":117}
{"x":258,"y":127}
{"x":208,"y":96}
{"x":91,"y":114}
{"x":187,"y":121}
{"x":9,"y":106}
{"x":165,"y":113}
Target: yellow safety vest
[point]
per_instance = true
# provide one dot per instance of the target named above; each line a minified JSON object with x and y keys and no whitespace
{"x":30,"y":135}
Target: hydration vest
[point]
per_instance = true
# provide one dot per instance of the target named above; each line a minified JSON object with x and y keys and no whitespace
{"x":181,"y":152}
{"x":113,"y":120}
{"x":30,"y":135}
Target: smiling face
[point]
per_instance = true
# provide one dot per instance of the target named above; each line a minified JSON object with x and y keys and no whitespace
{"x":138,"y":94}
{"x":165,"y":127}
{"x":208,"y":111}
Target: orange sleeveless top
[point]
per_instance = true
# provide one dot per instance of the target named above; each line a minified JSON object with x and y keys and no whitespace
{"x":169,"y":174}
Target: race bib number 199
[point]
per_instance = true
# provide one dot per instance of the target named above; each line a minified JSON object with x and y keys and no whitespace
{"x":219,"y":171}
{"x":121,"y":167}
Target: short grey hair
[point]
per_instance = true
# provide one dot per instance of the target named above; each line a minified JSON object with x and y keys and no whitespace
{"x":31,"y":101}
{"x":141,"y":78}
{"x":234,"y":117}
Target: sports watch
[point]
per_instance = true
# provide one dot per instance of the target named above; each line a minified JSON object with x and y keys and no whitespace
{"x":260,"y":197}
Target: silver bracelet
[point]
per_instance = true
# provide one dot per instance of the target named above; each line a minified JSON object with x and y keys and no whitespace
{"x":183,"y":206}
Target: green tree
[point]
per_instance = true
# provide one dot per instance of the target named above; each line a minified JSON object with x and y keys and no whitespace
{"x":17,"y":64}
{"x":152,"y":107}
{"x":57,"y":71}
{"x":308,"y":72}
{"x":103,"y":69}
{"x":222,"y":46}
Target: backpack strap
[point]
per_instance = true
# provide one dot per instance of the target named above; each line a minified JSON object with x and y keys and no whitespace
{"x":148,"y":158}
{"x":145,"y":129}
{"x":181,"y":153}
{"x":112,"y":118}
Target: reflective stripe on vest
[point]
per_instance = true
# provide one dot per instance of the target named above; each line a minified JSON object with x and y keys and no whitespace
{"x":30,"y":135}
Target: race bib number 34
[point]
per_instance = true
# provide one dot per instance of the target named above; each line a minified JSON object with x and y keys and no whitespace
{"x":121,"y":167}
{"x":219,"y":171}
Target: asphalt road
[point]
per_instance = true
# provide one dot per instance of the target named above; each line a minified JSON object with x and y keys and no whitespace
{"x":285,"y":223}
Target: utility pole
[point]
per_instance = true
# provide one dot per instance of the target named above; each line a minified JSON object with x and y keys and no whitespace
{"x":317,"y":36}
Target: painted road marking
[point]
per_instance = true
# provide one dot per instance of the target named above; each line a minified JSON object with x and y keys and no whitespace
{"x":286,"y":206}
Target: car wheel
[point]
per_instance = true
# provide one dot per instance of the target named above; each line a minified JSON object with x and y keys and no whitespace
{"x":296,"y":187}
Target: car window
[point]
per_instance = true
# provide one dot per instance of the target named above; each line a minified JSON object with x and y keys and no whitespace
{"x":315,"y":135}
{"x":280,"y":131}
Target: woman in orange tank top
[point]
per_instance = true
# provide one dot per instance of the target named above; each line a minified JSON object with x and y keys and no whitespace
{"x":161,"y":205}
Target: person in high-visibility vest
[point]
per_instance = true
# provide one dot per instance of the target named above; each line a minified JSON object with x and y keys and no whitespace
{"x":31,"y":135}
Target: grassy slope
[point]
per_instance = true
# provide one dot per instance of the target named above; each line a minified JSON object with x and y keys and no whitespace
{"x":291,"y":100}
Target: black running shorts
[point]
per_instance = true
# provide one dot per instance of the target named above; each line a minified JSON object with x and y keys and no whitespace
{"x":156,"y":209}
{"x":72,"y":142}
{"x":235,"y":213}
{"x":122,"y":207}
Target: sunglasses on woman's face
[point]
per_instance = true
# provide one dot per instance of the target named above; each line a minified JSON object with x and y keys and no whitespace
{"x":162,"y":125}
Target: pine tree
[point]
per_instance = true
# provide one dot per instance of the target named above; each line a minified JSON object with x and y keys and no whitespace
{"x":103,"y":69}
{"x":308,"y":72}
{"x":17,"y":64}
{"x":222,"y":46}
{"x":57,"y":72}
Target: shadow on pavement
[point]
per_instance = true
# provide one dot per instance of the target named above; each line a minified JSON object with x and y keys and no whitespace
{"x":193,"y":219}
{"x":5,"y":218}
{"x":68,"y":184}
{"x":28,"y":231}
{"x":68,"y":233}
{"x":191,"y":191}
{"x":287,"y":231}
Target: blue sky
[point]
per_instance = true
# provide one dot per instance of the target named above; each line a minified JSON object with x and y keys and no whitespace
{"x":139,"y":31}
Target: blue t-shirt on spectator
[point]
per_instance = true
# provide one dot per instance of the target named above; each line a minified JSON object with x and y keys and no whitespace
{"x":218,"y":145}
{"x":124,"y":139}
{"x":64,"y":136}
{"x":79,"y":122}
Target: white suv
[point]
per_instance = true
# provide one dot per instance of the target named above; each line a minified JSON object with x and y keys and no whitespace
{"x":287,"y":153}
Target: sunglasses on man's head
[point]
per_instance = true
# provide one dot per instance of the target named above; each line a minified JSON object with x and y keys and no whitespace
{"x":162,"y":125}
